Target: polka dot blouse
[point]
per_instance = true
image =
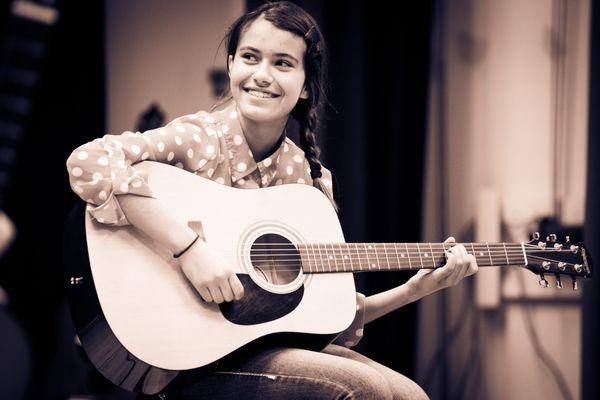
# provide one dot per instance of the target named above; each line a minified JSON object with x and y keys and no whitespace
{"x":209,"y":145}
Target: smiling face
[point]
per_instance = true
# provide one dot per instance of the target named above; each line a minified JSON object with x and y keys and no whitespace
{"x":267,"y":72}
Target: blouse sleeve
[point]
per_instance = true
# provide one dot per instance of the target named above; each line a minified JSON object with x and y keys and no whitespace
{"x":353,"y":334}
{"x":105,"y":167}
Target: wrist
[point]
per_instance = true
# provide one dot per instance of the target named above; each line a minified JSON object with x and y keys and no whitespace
{"x":187,"y":248}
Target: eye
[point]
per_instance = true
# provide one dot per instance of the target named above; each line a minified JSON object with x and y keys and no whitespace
{"x":249,"y":56}
{"x":284,"y":63}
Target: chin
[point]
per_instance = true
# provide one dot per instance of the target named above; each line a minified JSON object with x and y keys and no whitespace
{"x":259,"y":113}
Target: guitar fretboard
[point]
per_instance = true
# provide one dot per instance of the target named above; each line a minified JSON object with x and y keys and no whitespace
{"x":358,"y":257}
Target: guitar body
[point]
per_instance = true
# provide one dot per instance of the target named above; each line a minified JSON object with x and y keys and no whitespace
{"x":139,"y":319}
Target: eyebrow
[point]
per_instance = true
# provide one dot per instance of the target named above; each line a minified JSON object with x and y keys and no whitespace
{"x":276,"y":54}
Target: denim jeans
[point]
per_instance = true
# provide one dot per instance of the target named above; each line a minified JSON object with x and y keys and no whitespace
{"x":289,"y":373}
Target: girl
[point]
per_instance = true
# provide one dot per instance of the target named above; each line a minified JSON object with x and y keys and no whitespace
{"x":276,"y":64}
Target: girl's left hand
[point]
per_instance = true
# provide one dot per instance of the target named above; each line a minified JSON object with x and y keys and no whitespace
{"x":459,"y":265}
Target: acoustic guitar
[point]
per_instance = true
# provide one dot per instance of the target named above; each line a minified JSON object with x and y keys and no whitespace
{"x":140,"y":321}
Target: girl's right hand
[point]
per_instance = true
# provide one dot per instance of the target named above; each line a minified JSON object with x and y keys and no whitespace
{"x":210,"y":274}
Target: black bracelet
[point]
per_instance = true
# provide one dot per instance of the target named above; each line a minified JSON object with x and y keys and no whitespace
{"x":187,"y":248}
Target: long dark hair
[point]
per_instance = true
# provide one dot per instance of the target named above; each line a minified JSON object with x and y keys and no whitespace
{"x":291,"y":18}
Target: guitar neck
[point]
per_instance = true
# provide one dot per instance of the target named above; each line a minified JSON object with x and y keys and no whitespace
{"x":361,"y":257}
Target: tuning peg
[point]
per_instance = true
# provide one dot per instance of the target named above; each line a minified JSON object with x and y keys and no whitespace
{"x":562,"y":266}
{"x":558,"y":246}
{"x":575,"y":284}
{"x":574,"y":248}
{"x":551,"y":238}
{"x":542,"y":245}
{"x":568,"y":239}
{"x":535,"y":236}
{"x":543,"y":282}
{"x":546,"y":265}
{"x":558,"y":282}
{"x":578,"y":268}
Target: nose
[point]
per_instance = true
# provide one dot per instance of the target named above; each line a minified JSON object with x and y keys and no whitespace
{"x":262,"y":76}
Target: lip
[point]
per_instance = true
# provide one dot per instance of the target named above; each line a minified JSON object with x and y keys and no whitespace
{"x":246,"y":89}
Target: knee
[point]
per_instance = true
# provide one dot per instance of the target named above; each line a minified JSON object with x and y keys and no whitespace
{"x":371,"y":386}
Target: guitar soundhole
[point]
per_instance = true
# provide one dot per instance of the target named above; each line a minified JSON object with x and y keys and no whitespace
{"x":275,"y":259}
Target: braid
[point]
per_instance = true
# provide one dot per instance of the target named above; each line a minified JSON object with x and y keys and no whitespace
{"x":308,"y":121}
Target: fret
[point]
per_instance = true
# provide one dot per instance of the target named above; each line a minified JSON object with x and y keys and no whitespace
{"x":333,"y":258}
{"x":376,"y":255}
{"x":360,"y":264}
{"x":349,"y":256}
{"x":432,"y":257}
{"x":506,"y":253}
{"x":408,"y":255}
{"x":397,"y":256}
{"x":489,"y":253}
{"x":474,"y":252}
{"x":341,"y":256}
{"x":324,"y":251}
{"x":420,"y":256}
{"x":302,"y":258}
{"x":386,"y":256}
{"x":314,"y":254}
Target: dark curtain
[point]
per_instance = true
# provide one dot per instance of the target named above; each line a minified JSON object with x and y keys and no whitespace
{"x":67,"y":110}
{"x":590,"y":377}
{"x":373,"y":141}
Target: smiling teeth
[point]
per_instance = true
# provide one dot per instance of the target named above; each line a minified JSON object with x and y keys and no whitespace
{"x":260,"y":94}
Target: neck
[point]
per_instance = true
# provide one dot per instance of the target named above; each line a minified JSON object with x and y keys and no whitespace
{"x":357,"y":257}
{"x":261,"y":136}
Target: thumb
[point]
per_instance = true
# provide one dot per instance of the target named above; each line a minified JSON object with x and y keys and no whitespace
{"x":450,"y":240}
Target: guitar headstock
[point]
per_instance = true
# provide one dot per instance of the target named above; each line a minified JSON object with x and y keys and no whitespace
{"x":551,"y":256}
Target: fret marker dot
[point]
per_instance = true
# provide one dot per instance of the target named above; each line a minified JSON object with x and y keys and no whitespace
{"x":480,"y":254}
{"x":426,"y":254}
{"x":331,"y":257}
{"x":345,"y":256}
{"x":370,"y":247}
{"x":373,"y":265}
{"x":402,"y":255}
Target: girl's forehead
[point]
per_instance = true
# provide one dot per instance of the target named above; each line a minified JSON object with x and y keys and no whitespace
{"x":262,"y":35}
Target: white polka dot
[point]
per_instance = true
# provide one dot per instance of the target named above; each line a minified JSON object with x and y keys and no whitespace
{"x":349,"y":343}
{"x":289,"y":170}
{"x":267,"y":162}
{"x":147,"y":139}
{"x":77,"y":171}
{"x":300,"y":180}
{"x":210,"y":149}
{"x":137,"y":183}
{"x":298,"y":159}
{"x":359,"y":332}
{"x":118,"y":144}
{"x":112,"y":176}
{"x":233,"y":114}
{"x":121,"y":164}
{"x":326,"y":182}
{"x":196,"y":128}
{"x":210,"y":131}
{"x":97,"y":176}
{"x":190,"y":153}
{"x":78,"y":189}
{"x":237,"y":139}
{"x":286,"y":148}
{"x":220,"y":180}
{"x":82,"y":155}
{"x":170,"y":156}
{"x":178,"y":140}
{"x":241,"y":181}
{"x":209,"y":119}
{"x":135,"y":149}
{"x":163,"y":132}
{"x":224,"y":128}
{"x":201,"y":163}
{"x":196,"y":137}
{"x":241,"y":167}
{"x":210,"y":172}
{"x":100,"y":219}
{"x":161,"y":146}
{"x":103,"y":161}
{"x":180,"y":128}
{"x":179,"y":165}
{"x":145,"y":155}
{"x":124,"y":187}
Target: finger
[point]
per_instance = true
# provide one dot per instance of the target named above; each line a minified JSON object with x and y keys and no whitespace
{"x":450,"y":240}
{"x":463,"y":261}
{"x":205,"y":294}
{"x":473,"y":267}
{"x":215,"y":292}
{"x":236,"y":286}
{"x":226,"y":291}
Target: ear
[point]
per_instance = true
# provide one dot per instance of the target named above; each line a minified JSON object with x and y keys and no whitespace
{"x":304,"y":93}
{"x":229,"y":62}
